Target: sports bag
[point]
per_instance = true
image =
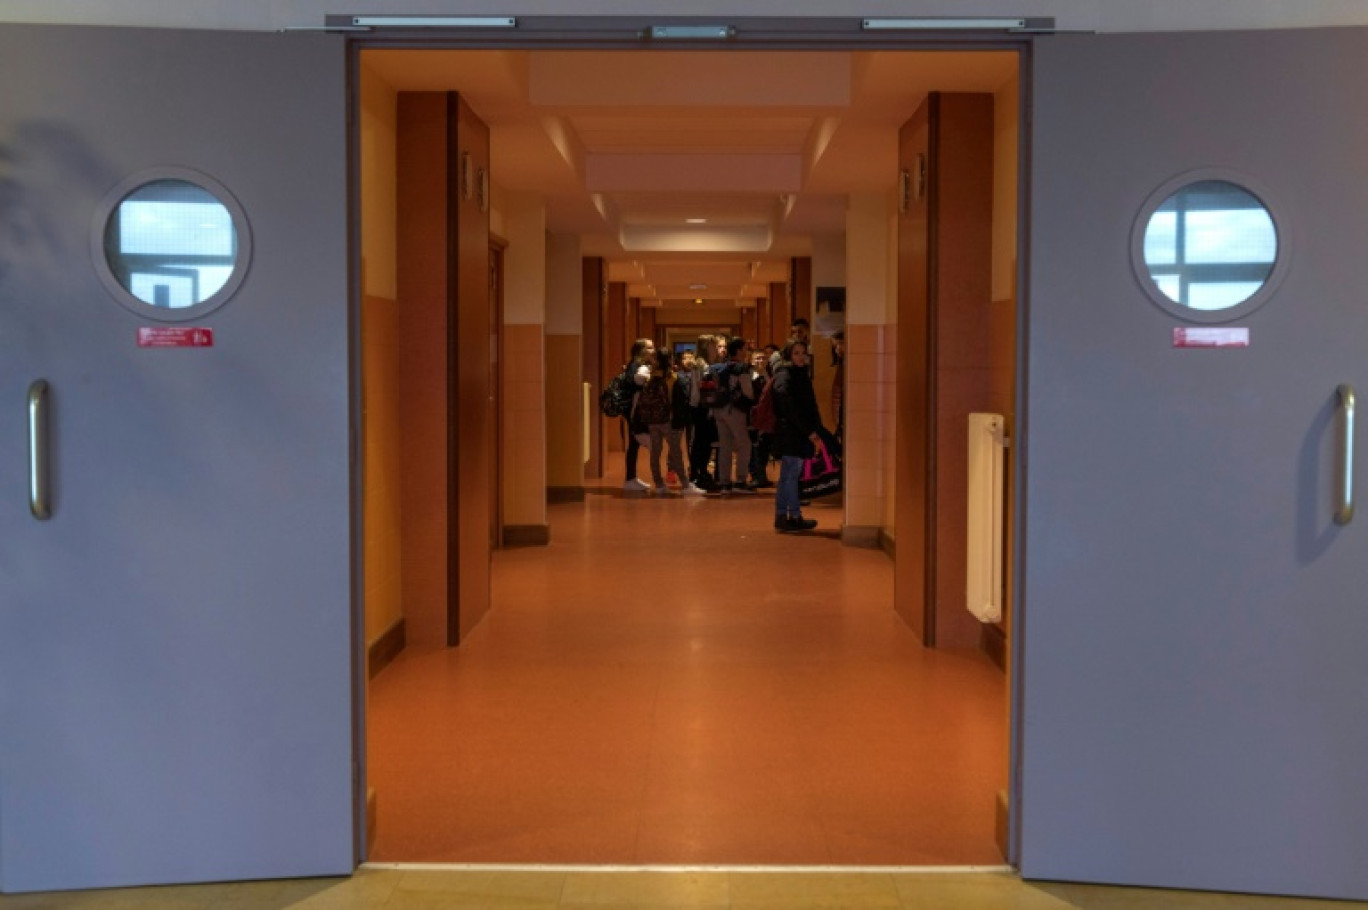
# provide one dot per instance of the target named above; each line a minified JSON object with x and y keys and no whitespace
{"x":822,"y":475}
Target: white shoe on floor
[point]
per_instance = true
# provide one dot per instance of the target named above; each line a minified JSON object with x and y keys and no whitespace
{"x":635,"y":485}
{"x":691,"y":489}
{"x":661,"y":490}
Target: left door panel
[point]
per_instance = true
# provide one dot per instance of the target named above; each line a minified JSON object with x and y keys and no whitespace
{"x":176,"y":644}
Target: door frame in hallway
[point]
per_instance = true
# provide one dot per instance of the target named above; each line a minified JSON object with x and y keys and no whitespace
{"x":625,"y":34}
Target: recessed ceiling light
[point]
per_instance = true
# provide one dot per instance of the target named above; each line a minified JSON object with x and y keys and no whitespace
{"x":696,"y":220}
{"x":698,"y":287}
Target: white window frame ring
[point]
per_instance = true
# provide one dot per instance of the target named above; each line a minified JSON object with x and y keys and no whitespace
{"x":1282,"y":261}
{"x":109,"y":206}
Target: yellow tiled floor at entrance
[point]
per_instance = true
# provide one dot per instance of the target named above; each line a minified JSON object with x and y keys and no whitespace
{"x":418,"y":889}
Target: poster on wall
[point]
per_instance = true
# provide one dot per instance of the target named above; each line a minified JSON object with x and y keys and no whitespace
{"x":829,"y":315}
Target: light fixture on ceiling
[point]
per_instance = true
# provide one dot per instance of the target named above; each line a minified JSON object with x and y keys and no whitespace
{"x":698,"y":287}
{"x":957,"y":25}
{"x":698,"y":300}
{"x":695,"y":221}
{"x":435,"y":21}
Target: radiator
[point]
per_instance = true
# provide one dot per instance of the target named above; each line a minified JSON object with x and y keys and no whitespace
{"x":987,"y":455}
{"x":586,"y":411}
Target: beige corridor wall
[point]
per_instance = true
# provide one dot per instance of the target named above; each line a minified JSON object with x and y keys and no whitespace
{"x":382,"y":465}
{"x":564,"y":400}
{"x":522,"y":217}
{"x":869,"y":366}
{"x":828,"y":271}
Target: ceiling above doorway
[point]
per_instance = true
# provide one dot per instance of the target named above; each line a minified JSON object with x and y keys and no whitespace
{"x":697,"y":175}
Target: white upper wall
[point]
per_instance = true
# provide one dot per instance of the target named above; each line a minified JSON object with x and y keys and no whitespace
{"x":1090,"y":15}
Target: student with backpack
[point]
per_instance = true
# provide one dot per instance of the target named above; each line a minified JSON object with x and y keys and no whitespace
{"x":760,"y":436}
{"x":639,"y":371}
{"x":731,"y":403}
{"x":654,"y":411}
{"x":702,"y":382}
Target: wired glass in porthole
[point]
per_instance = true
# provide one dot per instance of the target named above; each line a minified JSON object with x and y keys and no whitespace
{"x":1210,"y":246}
{"x":172,"y":247}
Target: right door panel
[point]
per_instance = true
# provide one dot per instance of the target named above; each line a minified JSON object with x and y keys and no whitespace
{"x":1194,"y":626}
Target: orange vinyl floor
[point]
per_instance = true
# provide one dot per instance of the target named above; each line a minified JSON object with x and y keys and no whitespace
{"x":672,"y":682}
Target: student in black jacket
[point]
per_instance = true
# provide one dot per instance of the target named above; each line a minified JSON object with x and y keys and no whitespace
{"x":796,"y":434}
{"x":760,"y":442}
{"x":704,"y":430}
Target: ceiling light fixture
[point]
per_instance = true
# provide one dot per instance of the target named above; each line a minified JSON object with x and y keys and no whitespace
{"x":696,"y":220}
{"x":698,"y":287}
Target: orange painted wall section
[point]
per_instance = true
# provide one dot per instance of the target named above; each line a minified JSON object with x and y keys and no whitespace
{"x":914,"y":343}
{"x":382,"y":459}
{"x":564,"y":404}
{"x":887,"y":431}
{"x":383,"y":465}
{"x":524,"y":429}
{"x":870,"y":392}
{"x":779,"y":310}
{"x":591,"y":324}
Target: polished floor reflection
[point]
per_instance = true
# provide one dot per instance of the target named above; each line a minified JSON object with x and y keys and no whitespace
{"x":672,"y":682}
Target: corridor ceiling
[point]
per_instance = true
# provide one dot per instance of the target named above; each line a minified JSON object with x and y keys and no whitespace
{"x":695,"y":174}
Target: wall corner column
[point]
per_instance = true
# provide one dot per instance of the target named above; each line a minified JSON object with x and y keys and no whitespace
{"x":524,"y":448}
{"x":564,"y":400}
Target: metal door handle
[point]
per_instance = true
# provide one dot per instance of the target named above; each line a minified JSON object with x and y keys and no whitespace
{"x":1344,"y":512}
{"x":40,"y":503}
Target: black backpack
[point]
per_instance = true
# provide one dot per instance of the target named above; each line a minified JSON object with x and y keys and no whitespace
{"x":616,"y":398}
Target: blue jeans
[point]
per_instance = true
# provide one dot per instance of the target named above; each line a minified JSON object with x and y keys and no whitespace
{"x":786,"y":493}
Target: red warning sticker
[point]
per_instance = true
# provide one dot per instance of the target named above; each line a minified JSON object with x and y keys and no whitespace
{"x":1211,"y":338}
{"x":175,"y":337}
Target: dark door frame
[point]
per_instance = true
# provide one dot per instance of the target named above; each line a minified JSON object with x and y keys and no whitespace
{"x":837,"y":34}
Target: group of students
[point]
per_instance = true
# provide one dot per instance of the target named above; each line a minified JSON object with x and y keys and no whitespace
{"x":705,"y":398}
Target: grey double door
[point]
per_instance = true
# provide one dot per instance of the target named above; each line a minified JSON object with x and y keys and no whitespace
{"x":176,"y":638}
{"x":176,"y":634}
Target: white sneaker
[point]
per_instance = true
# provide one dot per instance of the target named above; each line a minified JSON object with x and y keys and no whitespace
{"x":691,"y":489}
{"x":636,"y":485}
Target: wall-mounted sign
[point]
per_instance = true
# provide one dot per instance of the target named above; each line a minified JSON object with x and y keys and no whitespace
{"x":175,"y":337}
{"x":1211,"y":338}
{"x":829,"y":317}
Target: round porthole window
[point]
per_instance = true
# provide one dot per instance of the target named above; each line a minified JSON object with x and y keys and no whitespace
{"x":171,"y":245}
{"x":1208,"y":248}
